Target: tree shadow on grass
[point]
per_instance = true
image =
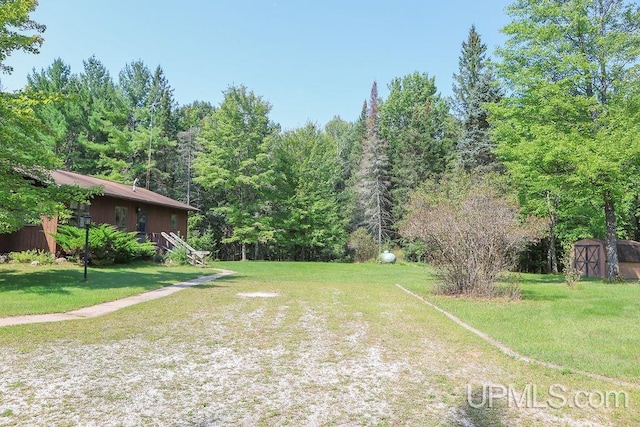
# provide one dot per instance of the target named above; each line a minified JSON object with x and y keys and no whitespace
{"x":59,"y":281}
{"x":533,"y":295}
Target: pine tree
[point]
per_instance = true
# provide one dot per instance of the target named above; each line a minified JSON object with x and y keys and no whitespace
{"x":474,"y":86}
{"x":373,"y":178}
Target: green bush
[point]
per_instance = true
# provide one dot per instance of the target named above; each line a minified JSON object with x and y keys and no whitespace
{"x":107,"y":244}
{"x":178,"y":255}
{"x":27,"y":257}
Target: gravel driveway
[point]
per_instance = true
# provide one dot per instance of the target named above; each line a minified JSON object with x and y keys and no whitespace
{"x":245,"y":353}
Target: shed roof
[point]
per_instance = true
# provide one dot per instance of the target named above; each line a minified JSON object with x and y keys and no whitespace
{"x":120,"y":191}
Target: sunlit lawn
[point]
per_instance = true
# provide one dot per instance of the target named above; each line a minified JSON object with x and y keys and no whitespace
{"x":340,"y":344}
{"x":27,"y":289}
{"x":594,"y":326}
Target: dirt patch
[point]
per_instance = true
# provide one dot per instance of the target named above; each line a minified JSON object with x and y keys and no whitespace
{"x":257,"y":294}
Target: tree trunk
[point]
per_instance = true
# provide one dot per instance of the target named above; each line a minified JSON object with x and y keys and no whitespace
{"x":244,"y":252}
{"x":552,"y":255}
{"x":611,"y":246}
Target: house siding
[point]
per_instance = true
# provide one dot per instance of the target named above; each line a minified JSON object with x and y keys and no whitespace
{"x":103,"y":211}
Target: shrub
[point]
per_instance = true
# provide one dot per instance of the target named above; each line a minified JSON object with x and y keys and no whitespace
{"x":363,"y":245}
{"x":472,"y":237}
{"x":27,"y":257}
{"x":178,"y":255}
{"x":107,"y":244}
{"x":571,"y":274}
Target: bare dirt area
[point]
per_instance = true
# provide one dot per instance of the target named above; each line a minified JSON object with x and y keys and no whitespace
{"x":326,"y":355}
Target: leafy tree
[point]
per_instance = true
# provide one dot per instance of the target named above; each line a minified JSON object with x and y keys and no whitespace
{"x":571,"y":117}
{"x":190,"y":119}
{"x":134,"y":81}
{"x":474,"y":86}
{"x":24,"y":165}
{"x":26,"y":191}
{"x":416,"y":122}
{"x":103,"y":119}
{"x":235,"y":166}
{"x":14,"y":21}
{"x":347,"y":139}
{"x":373,"y":177}
{"x":308,"y":218}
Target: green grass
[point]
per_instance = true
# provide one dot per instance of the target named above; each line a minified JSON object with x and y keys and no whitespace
{"x":311,"y":344}
{"x":26,"y":289}
{"x":594,"y":327}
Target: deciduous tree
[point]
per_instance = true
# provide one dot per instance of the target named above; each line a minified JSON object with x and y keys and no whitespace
{"x":570,"y":121}
{"x":236,"y":165}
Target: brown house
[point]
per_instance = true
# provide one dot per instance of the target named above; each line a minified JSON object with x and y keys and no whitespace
{"x":590,"y":258}
{"x":125,"y":206}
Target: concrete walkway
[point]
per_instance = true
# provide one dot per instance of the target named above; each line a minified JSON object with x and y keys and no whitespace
{"x":111,"y":306}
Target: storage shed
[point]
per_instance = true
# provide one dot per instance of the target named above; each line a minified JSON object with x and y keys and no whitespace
{"x":590,"y":258}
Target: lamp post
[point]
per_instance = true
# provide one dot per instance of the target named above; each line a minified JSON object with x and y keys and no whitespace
{"x":87,"y":224}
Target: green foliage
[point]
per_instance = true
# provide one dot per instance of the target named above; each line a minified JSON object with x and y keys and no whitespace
{"x":107,"y":244}
{"x":27,"y":257}
{"x":373,"y":179}
{"x":416,"y":123}
{"x":474,"y":85}
{"x":567,"y":127}
{"x":308,"y":215}
{"x":363,"y":246}
{"x":177,"y":256}
{"x":24,"y":166}
{"x":14,"y":19}
{"x":236,"y":166}
{"x":571,"y":274}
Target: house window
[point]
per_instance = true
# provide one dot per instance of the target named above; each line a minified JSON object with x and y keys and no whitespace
{"x":174,"y":221}
{"x":122,"y":214}
{"x":78,"y":211}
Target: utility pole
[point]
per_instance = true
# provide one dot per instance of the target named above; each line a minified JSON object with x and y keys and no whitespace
{"x":153,"y":109}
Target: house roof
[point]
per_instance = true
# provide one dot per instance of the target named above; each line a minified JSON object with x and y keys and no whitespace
{"x":119,"y":191}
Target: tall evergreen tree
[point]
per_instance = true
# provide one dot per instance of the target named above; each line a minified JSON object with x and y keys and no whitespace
{"x":473,"y":87}
{"x":61,"y":114}
{"x":373,"y":178}
{"x":163,"y":152}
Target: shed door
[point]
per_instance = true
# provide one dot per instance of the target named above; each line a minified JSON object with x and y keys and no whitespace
{"x":587,"y":260}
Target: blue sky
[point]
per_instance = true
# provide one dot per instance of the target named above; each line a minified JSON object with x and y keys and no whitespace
{"x":311,"y":60}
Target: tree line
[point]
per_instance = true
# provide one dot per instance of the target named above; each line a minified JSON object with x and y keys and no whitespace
{"x":552,"y":120}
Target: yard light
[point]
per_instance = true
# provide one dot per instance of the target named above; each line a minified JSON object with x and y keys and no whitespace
{"x":87,"y":224}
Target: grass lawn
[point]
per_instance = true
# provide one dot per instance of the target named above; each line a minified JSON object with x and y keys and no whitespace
{"x":339,"y":344}
{"x":26,"y":289}
{"x":594,"y":327}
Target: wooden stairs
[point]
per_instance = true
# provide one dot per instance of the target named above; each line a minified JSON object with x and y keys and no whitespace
{"x":194,"y":257}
